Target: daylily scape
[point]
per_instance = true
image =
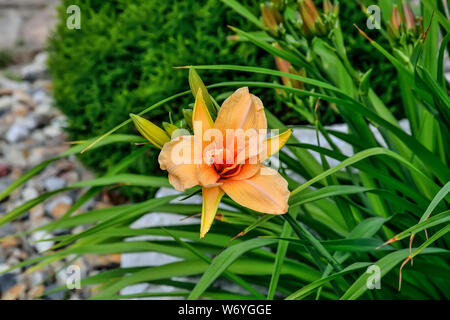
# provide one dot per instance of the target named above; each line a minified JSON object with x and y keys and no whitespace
{"x":223,"y":156}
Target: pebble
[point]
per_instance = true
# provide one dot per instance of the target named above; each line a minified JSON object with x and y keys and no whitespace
{"x":10,"y":242}
{"x":58,"y":200}
{"x":52,"y":131}
{"x":36,"y":292}
{"x":16,"y":133}
{"x":54,"y":183}
{"x":29,"y":193}
{"x":41,"y":246}
{"x":14,"y":293}
{"x":31,"y":131}
{"x":59,"y":210}
{"x":6,"y":230}
{"x":5,"y":103}
{"x":5,"y":169}
{"x":7,"y":281}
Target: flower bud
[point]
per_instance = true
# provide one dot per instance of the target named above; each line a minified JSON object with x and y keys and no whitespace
{"x":170,"y":128}
{"x":395,"y":23}
{"x":312,"y":23}
{"x":187,"y":114}
{"x":271,"y":18}
{"x":297,"y":83}
{"x":154,"y":134}
{"x":329,"y":8}
{"x":409,"y":18}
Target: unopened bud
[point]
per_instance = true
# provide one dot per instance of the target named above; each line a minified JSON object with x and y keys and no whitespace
{"x":328,"y":7}
{"x":154,"y":134}
{"x":271,"y":18}
{"x":312,"y":23}
{"x":170,"y":128}
{"x":187,"y":114}
{"x":396,"y":21}
{"x":409,"y":18}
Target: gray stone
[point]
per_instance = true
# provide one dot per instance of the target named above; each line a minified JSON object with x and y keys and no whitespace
{"x":10,"y":23}
{"x":16,"y":133}
{"x":29,"y":193}
{"x":61,"y":199}
{"x":37,"y":69}
{"x":41,"y":246}
{"x":7,"y":230}
{"x":58,"y":295}
{"x":28,"y":122}
{"x":53,"y":183}
{"x":52,"y":131}
{"x":5,"y":103}
{"x":7,"y":281}
{"x":4,"y":183}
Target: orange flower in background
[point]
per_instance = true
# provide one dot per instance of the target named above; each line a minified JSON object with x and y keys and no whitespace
{"x":223,"y":163}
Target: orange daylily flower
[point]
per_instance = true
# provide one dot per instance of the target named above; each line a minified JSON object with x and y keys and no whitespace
{"x":244,"y":179}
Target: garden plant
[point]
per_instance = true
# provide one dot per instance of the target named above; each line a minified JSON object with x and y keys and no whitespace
{"x":373,"y":226}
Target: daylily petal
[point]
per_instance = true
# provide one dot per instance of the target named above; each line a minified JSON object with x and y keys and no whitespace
{"x":273,"y":144}
{"x":206,"y":175}
{"x":266,"y":149}
{"x":247,"y":171}
{"x":266,"y":192}
{"x":150,"y":131}
{"x":201,"y":114}
{"x":241,"y":111}
{"x":177,"y":157}
{"x":211,"y":200}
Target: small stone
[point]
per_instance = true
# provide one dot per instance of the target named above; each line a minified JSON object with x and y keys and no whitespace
{"x":28,"y":122}
{"x":7,"y":281}
{"x":14,"y":293}
{"x":6,"y":230}
{"x":5,"y":103}
{"x":10,"y":242}
{"x":52,"y":131}
{"x":16,"y":133}
{"x":104,"y":260}
{"x":59,"y":210}
{"x":58,"y":295}
{"x":36,"y":292}
{"x":54,"y":183}
{"x":37,"y":218}
{"x":41,"y":246}
{"x":70,"y":176}
{"x":61,"y":199}
{"x":4,"y":183}
{"x":29,"y":193}
{"x":5,"y":169}
{"x":3,"y":268}
{"x":19,"y":254}
{"x":36,"y":278}
{"x":23,"y":98}
{"x":6,"y":92}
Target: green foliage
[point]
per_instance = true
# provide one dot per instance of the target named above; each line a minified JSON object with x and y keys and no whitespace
{"x":122,"y":59}
{"x":342,"y":220}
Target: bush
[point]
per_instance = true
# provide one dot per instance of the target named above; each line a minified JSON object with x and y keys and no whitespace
{"x":122,"y":59}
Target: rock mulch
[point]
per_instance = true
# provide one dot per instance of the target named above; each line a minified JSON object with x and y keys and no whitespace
{"x":31,"y":131}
